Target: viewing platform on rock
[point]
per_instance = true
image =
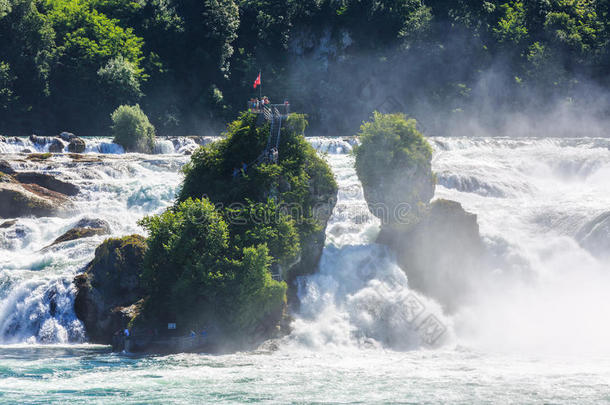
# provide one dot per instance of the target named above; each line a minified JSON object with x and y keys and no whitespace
{"x":270,"y":111}
{"x":275,"y":114}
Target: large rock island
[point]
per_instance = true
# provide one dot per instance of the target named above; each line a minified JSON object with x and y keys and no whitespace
{"x":437,"y":243}
{"x":221,"y":262}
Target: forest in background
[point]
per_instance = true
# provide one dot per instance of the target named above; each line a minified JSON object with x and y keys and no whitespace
{"x":190,"y":64}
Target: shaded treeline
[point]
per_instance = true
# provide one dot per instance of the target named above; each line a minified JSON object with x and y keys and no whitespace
{"x":190,"y":64}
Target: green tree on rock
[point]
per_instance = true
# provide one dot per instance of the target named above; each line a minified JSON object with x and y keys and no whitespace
{"x":132,"y":130}
{"x":393,"y":161}
{"x":194,"y":275}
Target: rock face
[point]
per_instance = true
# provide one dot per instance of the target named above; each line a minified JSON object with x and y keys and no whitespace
{"x":6,"y":168}
{"x":394,"y":196}
{"x":76,"y":145}
{"x":595,"y":236}
{"x":18,"y":200}
{"x":47,"y":181}
{"x":67,"y":136}
{"x":313,"y":246}
{"x":109,"y":287}
{"x":57,"y":146}
{"x":441,"y":253}
{"x":437,"y":244}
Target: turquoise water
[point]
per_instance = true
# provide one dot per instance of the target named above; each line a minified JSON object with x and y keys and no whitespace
{"x":534,"y":331}
{"x":92,"y":375}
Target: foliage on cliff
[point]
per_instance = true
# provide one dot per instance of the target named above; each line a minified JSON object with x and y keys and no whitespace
{"x":393,"y":161}
{"x":193,"y":275}
{"x":437,"y":243}
{"x":132,"y":130}
{"x":72,"y":62}
{"x":299,"y":184}
{"x":210,"y":256}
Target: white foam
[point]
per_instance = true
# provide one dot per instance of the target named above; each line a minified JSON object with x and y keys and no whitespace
{"x":360,"y":297}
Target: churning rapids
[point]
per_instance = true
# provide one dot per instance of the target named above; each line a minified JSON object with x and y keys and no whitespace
{"x":534,"y":329}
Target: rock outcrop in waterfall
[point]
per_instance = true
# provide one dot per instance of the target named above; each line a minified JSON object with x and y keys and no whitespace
{"x":437,"y":243}
{"x":109,"y":289}
{"x":32,"y":194}
{"x":224,"y":258}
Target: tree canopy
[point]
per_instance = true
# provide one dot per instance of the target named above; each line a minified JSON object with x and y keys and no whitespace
{"x":190,"y":64}
{"x":210,"y":257}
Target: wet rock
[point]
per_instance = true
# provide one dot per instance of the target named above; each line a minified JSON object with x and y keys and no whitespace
{"x":84,"y":228}
{"x":40,"y":140}
{"x":57,"y":146}
{"x":110,"y":284}
{"x":17,"y":200}
{"x":78,"y":233}
{"x":84,"y":158}
{"x":8,"y":224}
{"x":47,"y":181}
{"x":440,"y":253}
{"x":76,"y":145}
{"x":93,"y":223}
{"x":26,"y":150}
{"x":6,"y":168}
{"x":67,"y":136}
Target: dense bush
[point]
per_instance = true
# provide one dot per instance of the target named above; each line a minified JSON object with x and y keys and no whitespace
{"x":194,"y":61}
{"x":210,"y":257}
{"x":209,"y":173}
{"x":393,"y":161}
{"x":194,"y":275}
{"x":132,"y":130}
{"x":120,"y":80}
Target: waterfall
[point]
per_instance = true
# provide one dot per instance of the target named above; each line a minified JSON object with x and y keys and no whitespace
{"x":36,"y":290}
{"x":542,"y":207}
{"x":545,"y":290}
{"x":104,"y":145}
{"x":360,"y":297}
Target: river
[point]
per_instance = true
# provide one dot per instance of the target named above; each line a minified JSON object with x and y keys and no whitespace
{"x":533,"y":331}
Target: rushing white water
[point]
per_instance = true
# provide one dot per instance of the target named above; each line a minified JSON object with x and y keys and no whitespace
{"x":36,"y":291}
{"x":104,"y":145}
{"x":42,"y":144}
{"x":359,"y":296}
{"x":533,"y":197}
{"x":534,"y":331}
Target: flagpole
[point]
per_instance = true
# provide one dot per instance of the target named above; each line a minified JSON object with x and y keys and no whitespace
{"x":260,"y":86}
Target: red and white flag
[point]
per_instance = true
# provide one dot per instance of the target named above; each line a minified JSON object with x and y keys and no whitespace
{"x":257,"y":82}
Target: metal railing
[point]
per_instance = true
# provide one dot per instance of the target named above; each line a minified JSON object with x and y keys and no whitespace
{"x":270,"y":109}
